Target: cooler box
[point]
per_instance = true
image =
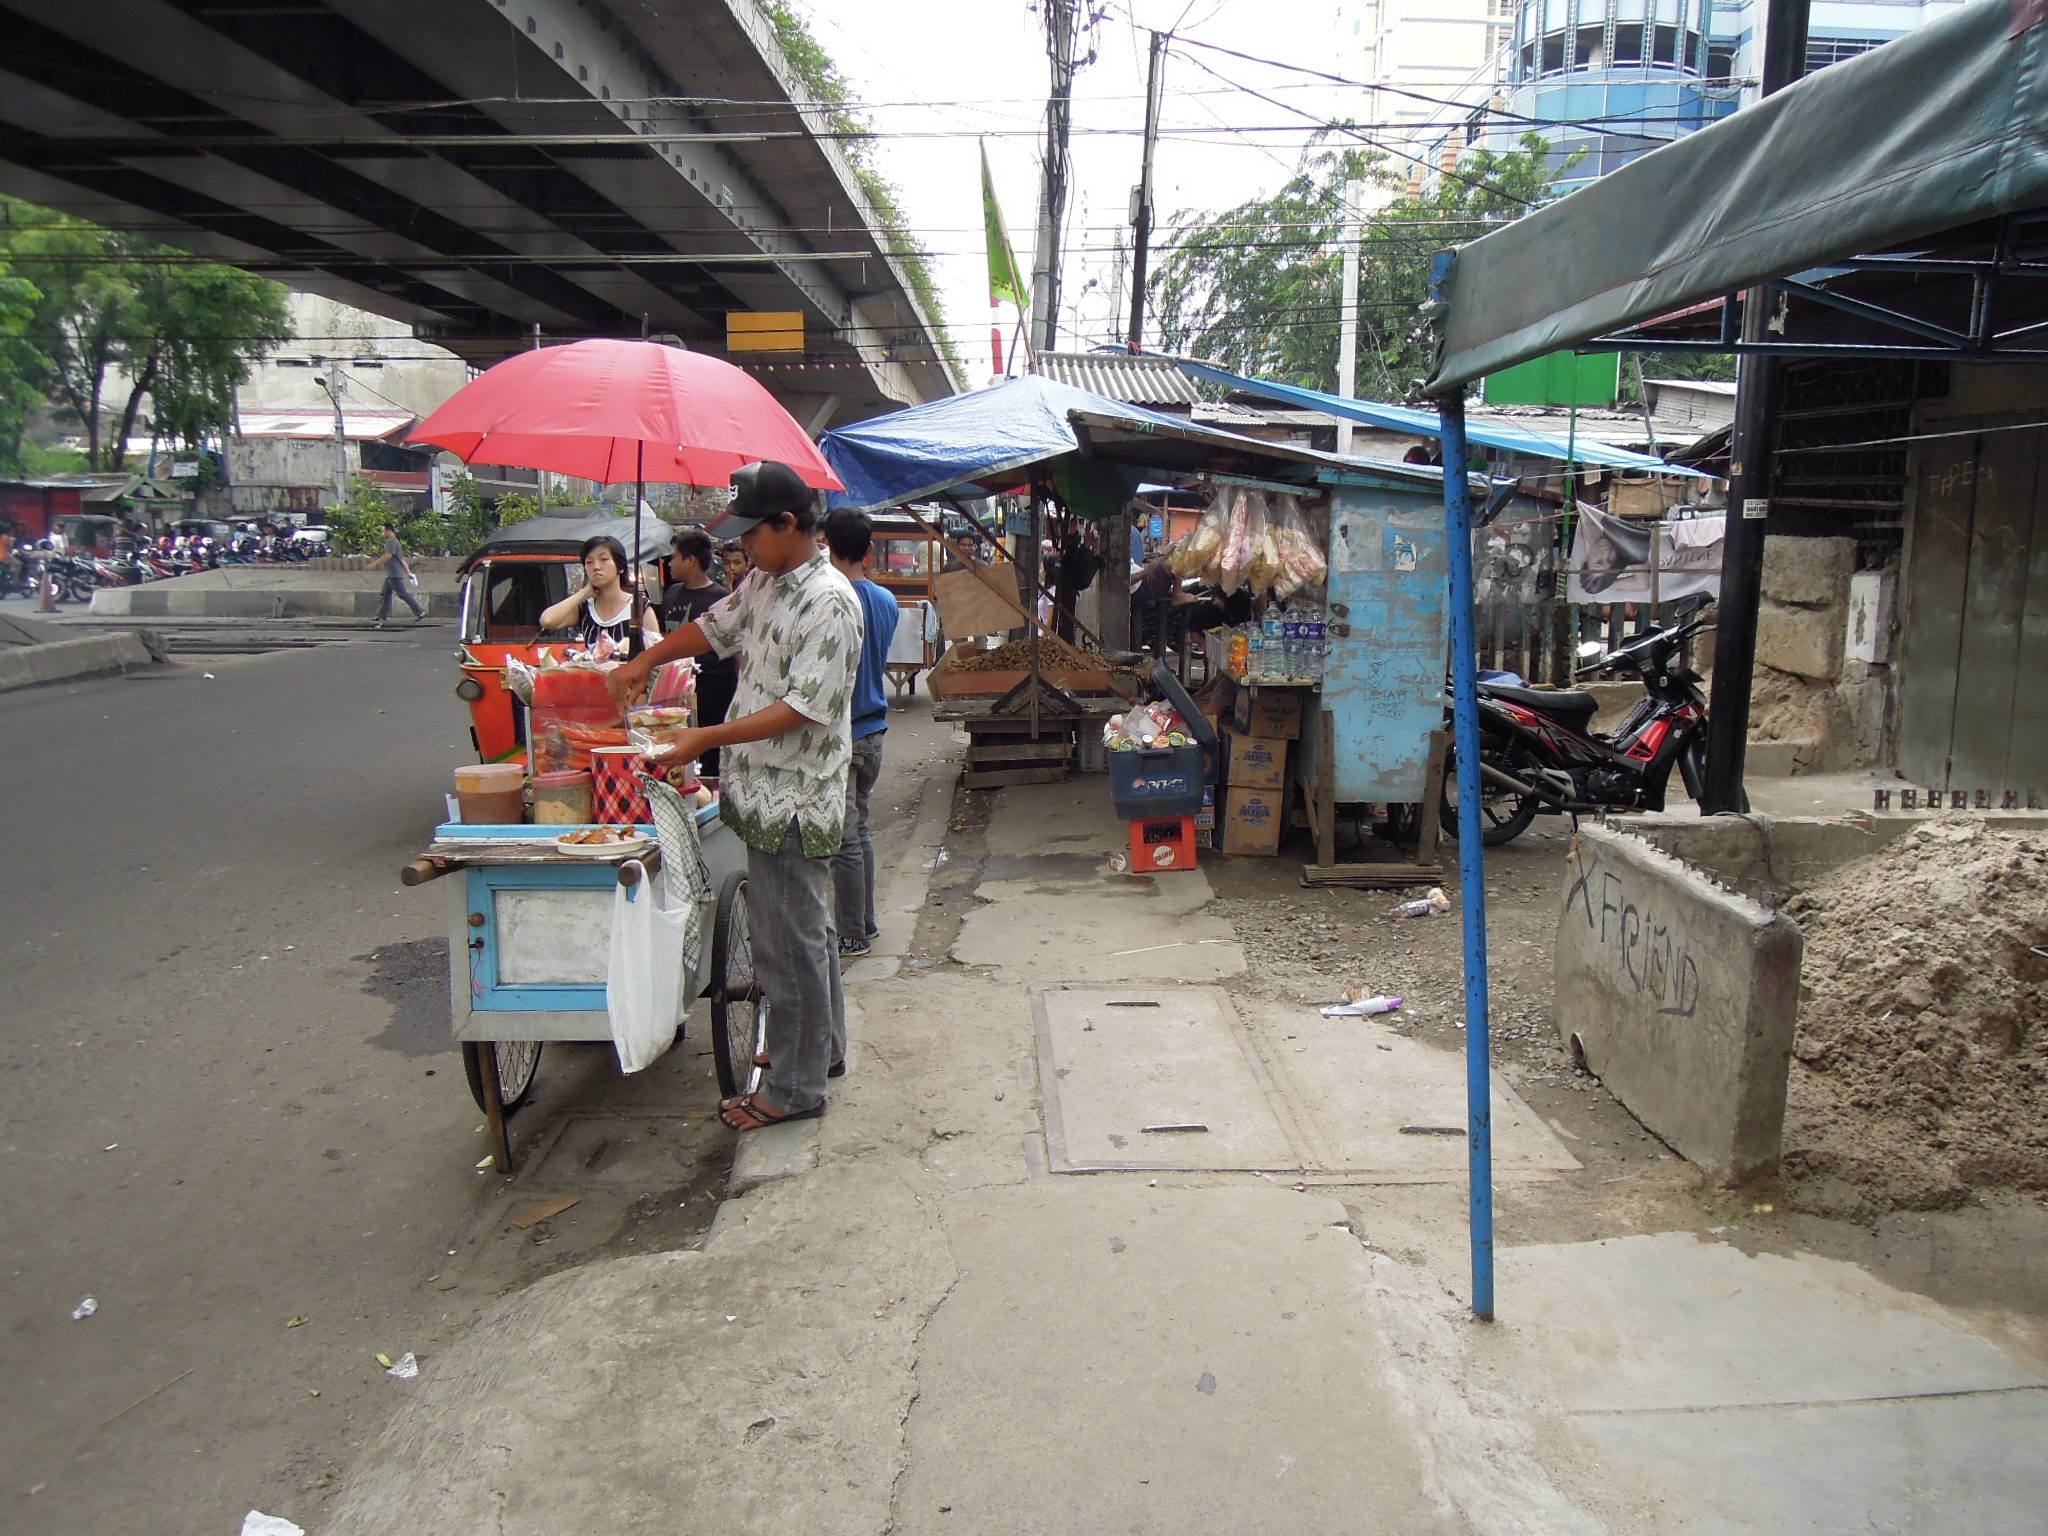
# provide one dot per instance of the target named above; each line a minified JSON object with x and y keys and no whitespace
{"x":1165,"y":781}
{"x":1156,"y":784}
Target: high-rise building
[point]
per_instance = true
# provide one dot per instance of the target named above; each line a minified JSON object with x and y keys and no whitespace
{"x":1608,"y":80}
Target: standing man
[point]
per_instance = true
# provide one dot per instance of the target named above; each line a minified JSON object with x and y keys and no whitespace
{"x":687,"y":598}
{"x":795,"y":626}
{"x":397,"y":579}
{"x":850,"y":536}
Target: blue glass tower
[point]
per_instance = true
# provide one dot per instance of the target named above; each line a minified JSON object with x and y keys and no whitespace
{"x":1614,"y":79}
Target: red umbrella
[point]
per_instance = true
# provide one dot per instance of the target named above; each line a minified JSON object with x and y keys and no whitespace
{"x":613,"y":411}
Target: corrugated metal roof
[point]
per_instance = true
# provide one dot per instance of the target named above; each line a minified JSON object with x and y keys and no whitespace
{"x":1118,"y":375}
{"x":316,"y":423}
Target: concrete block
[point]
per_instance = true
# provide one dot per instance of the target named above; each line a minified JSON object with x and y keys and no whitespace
{"x":1807,"y":642}
{"x":1871,"y":598}
{"x":1682,"y":997}
{"x":1808,"y":573}
{"x":1775,"y":759}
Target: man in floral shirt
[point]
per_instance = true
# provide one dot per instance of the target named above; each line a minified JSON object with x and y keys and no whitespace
{"x":785,"y":744}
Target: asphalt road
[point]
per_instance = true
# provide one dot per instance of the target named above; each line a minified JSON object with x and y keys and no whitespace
{"x":229,"y":1098}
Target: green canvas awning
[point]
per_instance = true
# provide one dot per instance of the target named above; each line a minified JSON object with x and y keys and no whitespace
{"x":1941,"y":128}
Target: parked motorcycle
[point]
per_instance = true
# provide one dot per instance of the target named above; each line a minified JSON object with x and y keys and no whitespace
{"x":1538,"y":753}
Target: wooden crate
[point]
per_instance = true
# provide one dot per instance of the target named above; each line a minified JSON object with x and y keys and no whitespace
{"x":1002,"y":750}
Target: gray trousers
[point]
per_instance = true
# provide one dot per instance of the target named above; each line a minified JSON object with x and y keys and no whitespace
{"x":796,"y":955}
{"x":853,"y":867}
{"x":394,"y":586}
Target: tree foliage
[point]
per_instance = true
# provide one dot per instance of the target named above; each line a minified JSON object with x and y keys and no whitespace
{"x":1258,"y":289}
{"x":20,"y":362}
{"x":117,"y":320}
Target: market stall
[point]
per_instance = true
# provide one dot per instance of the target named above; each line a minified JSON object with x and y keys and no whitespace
{"x":1347,"y":681}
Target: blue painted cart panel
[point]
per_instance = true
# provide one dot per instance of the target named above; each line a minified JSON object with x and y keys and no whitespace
{"x":489,"y":990}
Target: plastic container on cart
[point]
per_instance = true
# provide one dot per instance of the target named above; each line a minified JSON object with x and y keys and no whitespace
{"x":491,"y":793}
{"x":615,"y":786}
{"x":563,"y":799}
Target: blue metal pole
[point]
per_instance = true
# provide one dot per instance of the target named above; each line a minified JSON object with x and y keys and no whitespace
{"x":1471,"y":851}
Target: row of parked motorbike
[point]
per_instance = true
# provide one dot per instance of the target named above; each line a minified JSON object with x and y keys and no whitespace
{"x":77,"y":574}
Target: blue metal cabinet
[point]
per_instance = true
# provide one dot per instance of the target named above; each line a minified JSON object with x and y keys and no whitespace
{"x":1387,"y":637}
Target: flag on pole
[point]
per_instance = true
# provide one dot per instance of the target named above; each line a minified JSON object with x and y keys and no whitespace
{"x":1004,"y":282}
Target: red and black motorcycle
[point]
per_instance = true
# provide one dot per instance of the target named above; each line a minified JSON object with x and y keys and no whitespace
{"x":1538,"y":753}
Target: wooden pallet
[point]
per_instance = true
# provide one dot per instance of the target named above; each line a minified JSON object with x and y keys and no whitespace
{"x":1004,"y":751}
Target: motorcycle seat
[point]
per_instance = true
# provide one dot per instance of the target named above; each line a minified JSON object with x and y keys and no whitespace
{"x":1569,"y":705}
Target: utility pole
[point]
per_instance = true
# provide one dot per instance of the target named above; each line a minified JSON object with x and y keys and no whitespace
{"x":336,"y":386}
{"x":1347,"y":318}
{"x":1060,"y":19}
{"x":1141,"y":196}
{"x":1749,"y":483}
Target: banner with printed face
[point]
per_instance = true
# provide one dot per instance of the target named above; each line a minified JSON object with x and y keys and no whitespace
{"x":1611,"y":558}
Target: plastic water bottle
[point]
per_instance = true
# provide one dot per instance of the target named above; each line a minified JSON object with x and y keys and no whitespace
{"x":1316,"y":640}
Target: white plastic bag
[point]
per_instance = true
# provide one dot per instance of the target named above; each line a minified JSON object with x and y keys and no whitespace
{"x":645,"y":975}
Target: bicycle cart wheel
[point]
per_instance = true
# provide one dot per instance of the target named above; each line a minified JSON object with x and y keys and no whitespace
{"x":518,"y":1061}
{"x":737,"y":1012}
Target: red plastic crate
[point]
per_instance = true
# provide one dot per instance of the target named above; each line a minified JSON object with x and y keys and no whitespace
{"x":1163,"y":844}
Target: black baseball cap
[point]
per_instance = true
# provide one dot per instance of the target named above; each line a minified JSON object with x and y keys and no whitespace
{"x":760,"y":491}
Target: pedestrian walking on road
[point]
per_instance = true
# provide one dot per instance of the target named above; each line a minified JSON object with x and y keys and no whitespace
{"x":795,"y":625}
{"x":849,"y":537}
{"x":398,"y":579}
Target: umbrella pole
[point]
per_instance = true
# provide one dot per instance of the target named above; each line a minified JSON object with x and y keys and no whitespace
{"x":639,"y":581}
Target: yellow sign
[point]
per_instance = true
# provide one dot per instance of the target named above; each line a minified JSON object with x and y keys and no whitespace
{"x":764,"y":331}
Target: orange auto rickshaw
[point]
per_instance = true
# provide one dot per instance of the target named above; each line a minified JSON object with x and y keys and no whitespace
{"x":514,"y":577}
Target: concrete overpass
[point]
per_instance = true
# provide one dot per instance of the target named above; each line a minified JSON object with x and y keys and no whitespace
{"x":480,"y":169}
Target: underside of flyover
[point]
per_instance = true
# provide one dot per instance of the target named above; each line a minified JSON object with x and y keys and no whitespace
{"x":487,"y":171}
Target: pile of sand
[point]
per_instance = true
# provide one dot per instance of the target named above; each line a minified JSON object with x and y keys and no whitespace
{"x":1920,"y":1070}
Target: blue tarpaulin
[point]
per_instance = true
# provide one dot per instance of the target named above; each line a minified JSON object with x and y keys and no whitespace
{"x":1401,"y":418}
{"x":968,"y":439}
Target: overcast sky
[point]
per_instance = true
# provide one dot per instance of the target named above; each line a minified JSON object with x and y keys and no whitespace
{"x":934,"y":74}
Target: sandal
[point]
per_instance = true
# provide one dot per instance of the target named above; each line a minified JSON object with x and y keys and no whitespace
{"x":837,"y":1069}
{"x":751,"y":1112}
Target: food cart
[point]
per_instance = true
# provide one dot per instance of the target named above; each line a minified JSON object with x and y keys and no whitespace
{"x":529,"y":942}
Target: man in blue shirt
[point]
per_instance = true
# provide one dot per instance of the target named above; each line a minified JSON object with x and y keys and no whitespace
{"x":848,"y":538}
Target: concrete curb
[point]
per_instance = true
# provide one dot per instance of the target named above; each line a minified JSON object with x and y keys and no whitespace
{"x":153,"y":602}
{"x":59,"y":661}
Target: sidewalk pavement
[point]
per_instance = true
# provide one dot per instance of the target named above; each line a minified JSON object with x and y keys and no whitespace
{"x":906,"y":1319}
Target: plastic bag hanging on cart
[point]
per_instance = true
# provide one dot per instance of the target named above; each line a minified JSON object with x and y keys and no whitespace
{"x":644,"y":975}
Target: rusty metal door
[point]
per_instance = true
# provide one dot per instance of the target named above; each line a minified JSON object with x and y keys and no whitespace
{"x":1973,"y":663}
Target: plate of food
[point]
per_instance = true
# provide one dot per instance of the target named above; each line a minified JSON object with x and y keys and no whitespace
{"x":603,"y":842}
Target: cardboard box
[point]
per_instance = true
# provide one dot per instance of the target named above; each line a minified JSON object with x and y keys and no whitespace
{"x":1205,"y":818}
{"x":1269,"y":712}
{"x":1252,"y":821}
{"x":1253,"y":762}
